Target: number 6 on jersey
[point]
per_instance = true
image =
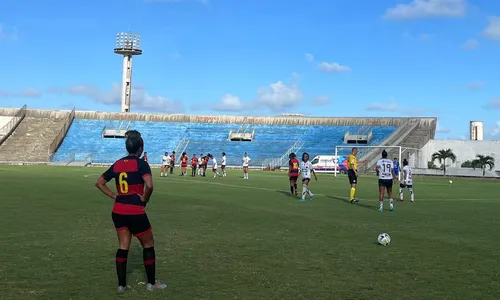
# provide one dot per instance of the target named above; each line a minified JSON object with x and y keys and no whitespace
{"x":122,"y":182}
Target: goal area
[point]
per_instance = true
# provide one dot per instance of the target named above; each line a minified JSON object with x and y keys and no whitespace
{"x":368,"y":156}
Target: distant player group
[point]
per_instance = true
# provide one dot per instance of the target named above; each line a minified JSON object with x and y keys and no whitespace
{"x":387,"y":172}
{"x":199,"y":165}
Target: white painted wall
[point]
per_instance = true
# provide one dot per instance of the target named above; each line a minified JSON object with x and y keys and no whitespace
{"x":463,"y":149}
{"x":3,"y":121}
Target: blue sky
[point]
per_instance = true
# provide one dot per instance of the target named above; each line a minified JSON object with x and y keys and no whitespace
{"x":320,"y":58}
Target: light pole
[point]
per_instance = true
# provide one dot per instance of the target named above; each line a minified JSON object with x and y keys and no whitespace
{"x":127,"y":45}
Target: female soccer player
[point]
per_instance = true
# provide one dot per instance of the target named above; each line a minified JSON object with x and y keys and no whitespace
{"x":165,"y":164}
{"x":293,"y":173}
{"x":134,"y":184}
{"x":407,"y":182}
{"x":386,"y":178}
{"x":194,"y":164}
{"x":200,"y":164}
{"x":184,"y":163}
{"x":215,"y":167}
{"x":306,"y":169}
{"x":223,"y":163}
{"x":246,"y":162}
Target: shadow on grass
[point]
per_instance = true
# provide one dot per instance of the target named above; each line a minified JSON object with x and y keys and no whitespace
{"x":360,"y":204}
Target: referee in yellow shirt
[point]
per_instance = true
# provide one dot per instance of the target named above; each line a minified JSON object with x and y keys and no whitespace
{"x":352,"y":173}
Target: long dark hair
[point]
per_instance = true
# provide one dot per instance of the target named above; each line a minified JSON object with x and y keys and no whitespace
{"x":304,"y":156}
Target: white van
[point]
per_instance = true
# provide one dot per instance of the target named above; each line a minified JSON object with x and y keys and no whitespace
{"x":327,"y":164}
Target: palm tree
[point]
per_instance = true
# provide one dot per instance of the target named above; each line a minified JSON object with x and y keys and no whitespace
{"x":442,"y":155}
{"x":482,"y":162}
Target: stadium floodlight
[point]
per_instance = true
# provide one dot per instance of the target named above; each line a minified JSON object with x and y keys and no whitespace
{"x":127,"y":44}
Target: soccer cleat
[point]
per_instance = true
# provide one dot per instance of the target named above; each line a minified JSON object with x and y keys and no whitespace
{"x":122,"y":289}
{"x":380,"y":209}
{"x":311,"y":196}
{"x":302,"y":199}
{"x":391,"y":208}
{"x":157,"y":286}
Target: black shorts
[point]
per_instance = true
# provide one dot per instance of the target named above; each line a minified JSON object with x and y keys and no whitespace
{"x":137,"y":224}
{"x":402,"y":185}
{"x":294,"y":177}
{"x":387,"y":183}
{"x":353,"y":179}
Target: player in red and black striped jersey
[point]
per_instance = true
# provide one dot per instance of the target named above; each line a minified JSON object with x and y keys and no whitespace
{"x":134,"y":185}
{"x":293,"y":173}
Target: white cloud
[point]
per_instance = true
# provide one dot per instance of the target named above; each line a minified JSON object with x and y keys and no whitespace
{"x":8,"y":35}
{"x":30,"y":92}
{"x":442,"y":130}
{"x":322,"y":100}
{"x":418,"y":9}
{"x":309,"y":57}
{"x":278,"y":96}
{"x":494,"y":103}
{"x":332,"y":67}
{"x":470,"y":44}
{"x":5,"y":93}
{"x":391,"y":106}
{"x":423,"y":36}
{"x":176,"y":55}
{"x":140,"y":98}
{"x":476,"y":85}
{"x":492,"y":31}
{"x":229,"y":103}
{"x":496,"y":131}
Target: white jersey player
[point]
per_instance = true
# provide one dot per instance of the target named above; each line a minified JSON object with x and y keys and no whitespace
{"x":386,"y":176}
{"x":215,"y":167}
{"x":200,"y":164}
{"x":223,"y":163}
{"x":165,"y":164}
{"x":246,"y":162}
{"x":306,"y":169}
{"x":407,"y":182}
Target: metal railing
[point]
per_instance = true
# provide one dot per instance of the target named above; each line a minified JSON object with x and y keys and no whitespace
{"x":12,"y":124}
{"x":61,"y":135}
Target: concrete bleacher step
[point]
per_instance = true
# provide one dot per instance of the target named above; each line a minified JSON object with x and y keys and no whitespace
{"x":31,"y":140}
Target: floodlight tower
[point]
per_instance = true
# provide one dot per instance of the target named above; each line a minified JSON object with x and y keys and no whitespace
{"x":128,"y":45}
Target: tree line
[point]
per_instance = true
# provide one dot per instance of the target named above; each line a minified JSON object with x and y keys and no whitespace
{"x":480,"y":162}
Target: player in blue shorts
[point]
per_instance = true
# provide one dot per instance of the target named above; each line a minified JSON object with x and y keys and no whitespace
{"x":396,"y":166}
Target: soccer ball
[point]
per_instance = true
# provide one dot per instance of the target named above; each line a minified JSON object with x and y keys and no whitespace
{"x":451,"y":181}
{"x":384,"y":239}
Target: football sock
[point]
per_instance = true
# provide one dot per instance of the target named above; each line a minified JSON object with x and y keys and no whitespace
{"x":412,"y":195}
{"x":381,"y":204}
{"x":148,"y":254}
{"x":304,"y":190}
{"x":121,"y":266}
{"x":292,"y":189}
{"x":295,"y":187}
{"x":401,"y":194}
{"x":391,"y":201}
{"x":353,"y":194}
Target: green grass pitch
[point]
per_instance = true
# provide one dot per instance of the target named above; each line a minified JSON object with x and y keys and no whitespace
{"x":229,"y":238}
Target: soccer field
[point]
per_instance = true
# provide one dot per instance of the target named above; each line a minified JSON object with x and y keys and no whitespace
{"x":229,"y":238}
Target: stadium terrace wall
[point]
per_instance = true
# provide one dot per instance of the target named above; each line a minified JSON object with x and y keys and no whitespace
{"x":274,"y":120}
{"x":184,"y":118}
{"x":463,"y":149}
